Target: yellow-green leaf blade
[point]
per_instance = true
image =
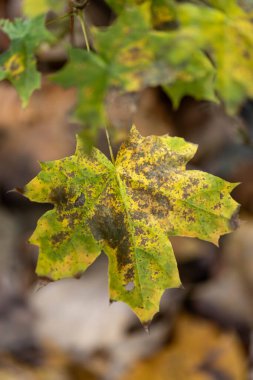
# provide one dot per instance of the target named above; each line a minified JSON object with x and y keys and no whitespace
{"x":186,"y":203}
{"x":65,"y":250}
{"x":73,"y":185}
{"x":141,"y":259}
{"x":128,"y":209}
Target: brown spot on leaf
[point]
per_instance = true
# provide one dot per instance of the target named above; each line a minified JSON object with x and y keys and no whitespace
{"x":73,"y":218}
{"x":80,"y":201}
{"x":195,"y":181}
{"x":110,"y":226}
{"x":59,"y":238}
{"x":61,"y":196}
{"x":139,"y":231}
{"x":58,"y":195}
{"x":130,"y":273}
{"x":217,"y":206}
{"x":186,"y":191}
{"x":139,"y":215}
{"x":144,"y":240}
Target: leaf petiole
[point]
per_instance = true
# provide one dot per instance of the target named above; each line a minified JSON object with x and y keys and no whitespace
{"x":80,"y":15}
{"x":109,"y":145}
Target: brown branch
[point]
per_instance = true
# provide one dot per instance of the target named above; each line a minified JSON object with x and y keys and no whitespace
{"x":71,"y":23}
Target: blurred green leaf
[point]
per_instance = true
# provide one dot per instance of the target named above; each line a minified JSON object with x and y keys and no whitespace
{"x":196,"y":80}
{"x":226,"y":34}
{"x":88,"y":73}
{"x":222,"y":30}
{"x":18,"y":64}
{"x":139,"y":57}
{"x":161,"y":12}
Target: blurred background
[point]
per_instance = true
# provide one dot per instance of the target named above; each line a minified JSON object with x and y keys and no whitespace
{"x":67,"y":329}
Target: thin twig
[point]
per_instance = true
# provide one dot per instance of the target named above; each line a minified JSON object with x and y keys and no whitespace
{"x":71,"y":24}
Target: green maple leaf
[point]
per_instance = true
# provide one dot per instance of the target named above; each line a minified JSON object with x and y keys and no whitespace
{"x":128,"y":209}
{"x":225,"y":31}
{"x":18,"y":64}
